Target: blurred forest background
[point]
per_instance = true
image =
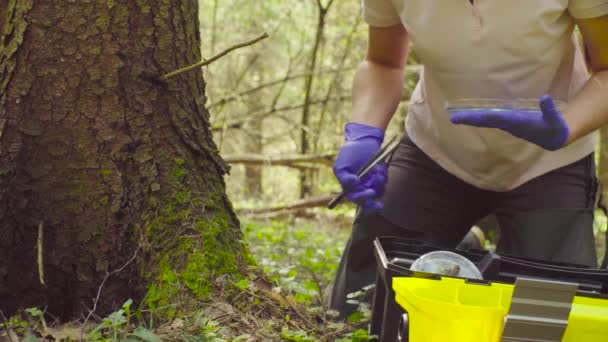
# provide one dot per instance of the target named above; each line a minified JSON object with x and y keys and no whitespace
{"x":278,"y":107}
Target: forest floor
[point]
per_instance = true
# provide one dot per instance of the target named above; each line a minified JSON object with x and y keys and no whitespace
{"x":299,"y":256}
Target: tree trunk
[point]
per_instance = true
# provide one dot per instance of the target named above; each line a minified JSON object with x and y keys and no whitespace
{"x":104,"y":161}
{"x":306,"y":185}
{"x":253,"y":173}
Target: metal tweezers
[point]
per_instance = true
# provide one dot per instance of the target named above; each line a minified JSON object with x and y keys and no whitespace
{"x":382,"y":155}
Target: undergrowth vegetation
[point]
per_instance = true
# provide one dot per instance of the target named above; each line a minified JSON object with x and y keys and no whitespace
{"x":299,"y":257}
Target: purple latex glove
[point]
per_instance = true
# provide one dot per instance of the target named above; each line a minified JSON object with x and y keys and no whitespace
{"x":546,"y":129}
{"x":362,"y":142}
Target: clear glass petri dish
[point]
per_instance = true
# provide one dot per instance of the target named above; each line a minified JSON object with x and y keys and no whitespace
{"x":448,"y":264}
{"x":497,"y":105}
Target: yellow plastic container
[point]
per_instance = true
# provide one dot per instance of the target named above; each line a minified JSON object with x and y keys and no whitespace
{"x":452,"y":310}
{"x":588,"y":320}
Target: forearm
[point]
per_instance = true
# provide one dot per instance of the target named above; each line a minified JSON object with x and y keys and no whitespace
{"x":377,"y":91}
{"x":588,"y":110}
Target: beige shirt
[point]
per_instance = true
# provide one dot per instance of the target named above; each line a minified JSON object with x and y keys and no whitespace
{"x":498,"y":49}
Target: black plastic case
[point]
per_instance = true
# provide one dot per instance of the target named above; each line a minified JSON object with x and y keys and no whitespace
{"x":394,"y":256}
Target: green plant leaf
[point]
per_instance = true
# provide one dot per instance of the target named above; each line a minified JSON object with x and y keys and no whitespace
{"x":360,"y":336}
{"x":302,"y":298}
{"x":127,"y":307}
{"x":94,"y":336}
{"x":34,"y":312}
{"x":311,"y":285}
{"x":295,"y":335}
{"x":146,"y":335}
{"x":30,"y":338}
{"x":242,"y":284}
{"x":356,"y":317}
{"x":127,"y":304}
{"x":117,"y":318}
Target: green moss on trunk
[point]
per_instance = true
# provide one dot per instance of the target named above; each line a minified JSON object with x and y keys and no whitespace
{"x":197,"y":241}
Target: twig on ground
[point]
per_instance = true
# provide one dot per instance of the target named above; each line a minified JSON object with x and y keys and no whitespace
{"x":84,"y":325}
{"x":6,"y":326}
{"x":43,"y":321}
{"x":290,"y":305}
{"x":214,"y":58}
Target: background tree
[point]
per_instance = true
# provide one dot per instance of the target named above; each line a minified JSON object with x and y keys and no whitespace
{"x":102,"y":164}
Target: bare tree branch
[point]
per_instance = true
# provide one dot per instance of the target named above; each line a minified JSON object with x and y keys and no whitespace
{"x":305,"y":186}
{"x":214,"y":58}
{"x":214,"y":25}
{"x":319,"y":4}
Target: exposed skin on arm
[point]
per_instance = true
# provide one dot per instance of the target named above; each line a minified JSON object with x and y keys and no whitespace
{"x":378,"y":81}
{"x":588,"y":110}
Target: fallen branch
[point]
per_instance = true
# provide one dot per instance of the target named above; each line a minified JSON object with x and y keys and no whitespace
{"x":84,"y":325}
{"x":289,"y":161}
{"x":214,"y":58}
{"x":306,"y":203}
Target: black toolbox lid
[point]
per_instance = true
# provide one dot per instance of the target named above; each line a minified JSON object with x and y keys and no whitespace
{"x":398,"y":254}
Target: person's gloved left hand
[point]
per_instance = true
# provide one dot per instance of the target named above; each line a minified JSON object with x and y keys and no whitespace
{"x":547,"y":129}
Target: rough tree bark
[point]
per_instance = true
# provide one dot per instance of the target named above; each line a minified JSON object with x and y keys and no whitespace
{"x":107,"y":161}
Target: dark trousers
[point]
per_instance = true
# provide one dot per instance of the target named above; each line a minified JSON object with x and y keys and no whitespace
{"x":547,"y":218}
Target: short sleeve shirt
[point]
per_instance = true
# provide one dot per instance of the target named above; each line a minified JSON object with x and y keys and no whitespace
{"x":491,"y":49}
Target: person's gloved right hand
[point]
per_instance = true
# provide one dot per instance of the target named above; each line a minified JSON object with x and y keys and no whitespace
{"x":362,"y":142}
